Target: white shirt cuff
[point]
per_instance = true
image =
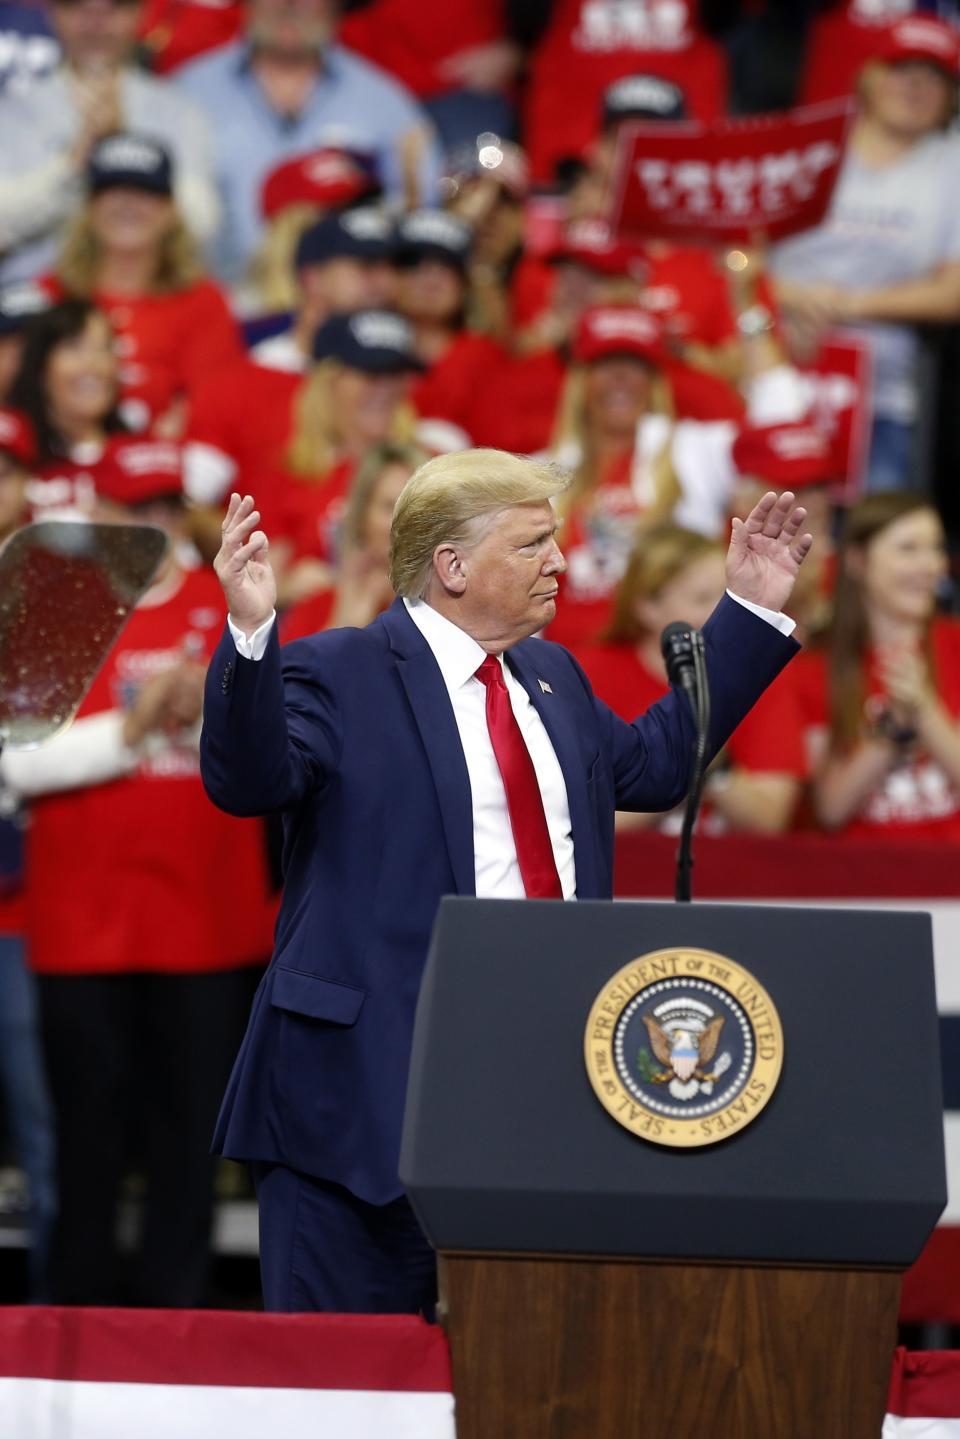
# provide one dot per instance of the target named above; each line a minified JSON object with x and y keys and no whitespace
{"x":254,"y":647}
{"x":780,"y":622}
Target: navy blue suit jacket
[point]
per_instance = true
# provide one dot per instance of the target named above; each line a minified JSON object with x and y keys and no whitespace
{"x":351,"y":734}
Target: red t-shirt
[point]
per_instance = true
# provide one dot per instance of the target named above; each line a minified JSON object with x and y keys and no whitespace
{"x":73,"y":481}
{"x":697,"y":395}
{"x":461,"y":377}
{"x":516,"y":407}
{"x":531,"y":286}
{"x":411,"y":40}
{"x":769,"y":740}
{"x":591,"y":43}
{"x":307,"y":617}
{"x":144,"y":873}
{"x":916,"y":800}
{"x":175,"y":31}
{"x":167,"y":344}
{"x":689,"y":295}
{"x":245,"y":413}
{"x":597,"y":537}
{"x":307,"y":511}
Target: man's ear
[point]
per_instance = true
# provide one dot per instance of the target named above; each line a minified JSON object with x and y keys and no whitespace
{"x":449,"y":569}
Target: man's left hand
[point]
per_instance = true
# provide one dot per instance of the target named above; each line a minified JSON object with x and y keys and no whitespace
{"x":767,"y":550}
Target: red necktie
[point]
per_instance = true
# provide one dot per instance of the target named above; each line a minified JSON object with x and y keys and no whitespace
{"x":538,"y":868}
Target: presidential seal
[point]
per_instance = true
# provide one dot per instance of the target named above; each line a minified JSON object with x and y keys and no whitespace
{"x":683,"y":1047}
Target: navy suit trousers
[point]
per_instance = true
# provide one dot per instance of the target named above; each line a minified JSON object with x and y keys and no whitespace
{"x":324,"y":1250}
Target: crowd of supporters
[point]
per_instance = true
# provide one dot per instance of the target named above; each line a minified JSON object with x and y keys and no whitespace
{"x":262,"y":245}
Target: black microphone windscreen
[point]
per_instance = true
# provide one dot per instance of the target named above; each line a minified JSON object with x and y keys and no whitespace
{"x":676,"y":646}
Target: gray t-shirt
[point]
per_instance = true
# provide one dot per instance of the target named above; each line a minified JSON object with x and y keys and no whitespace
{"x":883,"y":226}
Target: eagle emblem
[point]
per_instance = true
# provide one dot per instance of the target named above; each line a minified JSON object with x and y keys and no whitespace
{"x":684,"y":1036}
{"x":683,"y":1047}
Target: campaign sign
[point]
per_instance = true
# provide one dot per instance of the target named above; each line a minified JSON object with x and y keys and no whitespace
{"x":735,"y":181}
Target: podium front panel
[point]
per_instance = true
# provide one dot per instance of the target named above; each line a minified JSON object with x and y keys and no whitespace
{"x":507,"y":1148}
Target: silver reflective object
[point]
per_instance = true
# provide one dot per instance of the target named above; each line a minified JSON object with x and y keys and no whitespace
{"x":67,"y":588}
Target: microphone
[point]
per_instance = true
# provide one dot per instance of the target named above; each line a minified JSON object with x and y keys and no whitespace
{"x":683,"y":654}
{"x":676,"y":646}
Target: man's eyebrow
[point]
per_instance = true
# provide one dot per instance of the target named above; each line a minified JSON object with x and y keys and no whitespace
{"x":543,"y":535}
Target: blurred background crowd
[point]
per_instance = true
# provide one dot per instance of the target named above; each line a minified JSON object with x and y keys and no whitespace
{"x":294,"y":248}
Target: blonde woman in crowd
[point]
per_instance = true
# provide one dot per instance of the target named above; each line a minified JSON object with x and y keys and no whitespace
{"x":129,"y":250}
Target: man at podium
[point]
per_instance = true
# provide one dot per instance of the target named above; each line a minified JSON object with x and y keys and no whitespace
{"x":441,"y":750}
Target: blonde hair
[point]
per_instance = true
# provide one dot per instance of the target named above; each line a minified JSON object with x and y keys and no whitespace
{"x":442,"y":502}
{"x":317,"y":439}
{"x":365,"y":481}
{"x":272,"y":271}
{"x":659,"y":556}
{"x":178,"y":264}
{"x":571,"y":428}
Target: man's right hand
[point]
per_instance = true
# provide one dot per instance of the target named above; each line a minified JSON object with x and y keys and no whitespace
{"x":243,"y":568}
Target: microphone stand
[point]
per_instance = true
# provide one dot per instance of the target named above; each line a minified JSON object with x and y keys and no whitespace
{"x":697,"y":687}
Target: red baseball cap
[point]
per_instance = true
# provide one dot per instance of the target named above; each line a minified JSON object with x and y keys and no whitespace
{"x":591,"y":243}
{"x":791,"y":456}
{"x":17,"y":437}
{"x":142,"y":470}
{"x":921,"y":37}
{"x":606,"y":330}
{"x":328,"y":178}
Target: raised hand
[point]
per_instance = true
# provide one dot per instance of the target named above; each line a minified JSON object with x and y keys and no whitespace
{"x":243,"y":568}
{"x":767,"y":550}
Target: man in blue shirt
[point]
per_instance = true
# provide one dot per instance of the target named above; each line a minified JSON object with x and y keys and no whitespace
{"x":285,"y":88}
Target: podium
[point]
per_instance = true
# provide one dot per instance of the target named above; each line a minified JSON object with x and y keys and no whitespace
{"x":596,"y":1284}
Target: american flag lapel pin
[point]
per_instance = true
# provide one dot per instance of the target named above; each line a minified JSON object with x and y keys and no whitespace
{"x":545,"y":687}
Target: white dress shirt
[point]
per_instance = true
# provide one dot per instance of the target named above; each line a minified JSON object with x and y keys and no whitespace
{"x":459,"y":657}
{"x":494,"y":851}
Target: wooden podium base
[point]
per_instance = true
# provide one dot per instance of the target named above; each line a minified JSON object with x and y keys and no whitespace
{"x":570,"y":1348}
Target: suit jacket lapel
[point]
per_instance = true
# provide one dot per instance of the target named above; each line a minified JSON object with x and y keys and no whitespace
{"x":559,"y":725}
{"x":433,"y":713}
